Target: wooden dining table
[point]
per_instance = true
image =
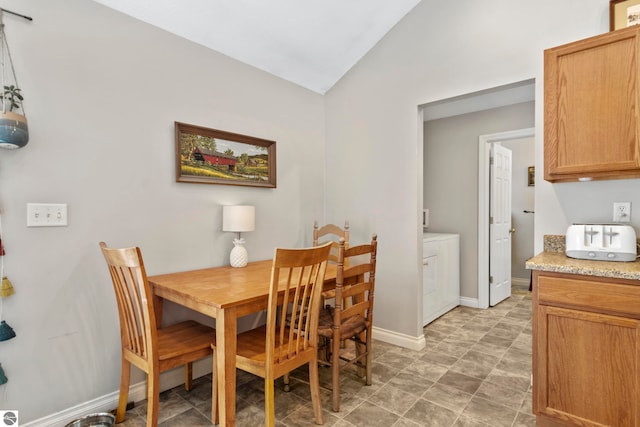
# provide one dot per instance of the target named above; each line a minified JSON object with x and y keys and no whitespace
{"x":224,"y":293}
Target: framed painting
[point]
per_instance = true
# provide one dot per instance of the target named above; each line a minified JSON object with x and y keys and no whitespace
{"x":211,"y":156}
{"x":623,"y":13}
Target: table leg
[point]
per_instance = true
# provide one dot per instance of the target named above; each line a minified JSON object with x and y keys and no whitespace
{"x":158,"y":303}
{"x":226,"y":330}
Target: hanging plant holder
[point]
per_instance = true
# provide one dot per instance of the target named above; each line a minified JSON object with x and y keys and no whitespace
{"x":14,"y":131}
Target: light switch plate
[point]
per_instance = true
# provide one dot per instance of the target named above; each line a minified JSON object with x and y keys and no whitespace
{"x":46,"y":214}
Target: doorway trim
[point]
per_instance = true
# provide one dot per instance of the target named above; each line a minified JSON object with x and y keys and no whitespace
{"x":484,"y":153}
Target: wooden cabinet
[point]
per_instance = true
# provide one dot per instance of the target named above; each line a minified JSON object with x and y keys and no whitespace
{"x":591,"y":108}
{"x":440,"y":275}
{"x":586,"y":350}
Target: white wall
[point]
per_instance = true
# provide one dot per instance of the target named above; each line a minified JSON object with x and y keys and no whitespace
{"x":438,"y":51}
{"x":102,"y":92}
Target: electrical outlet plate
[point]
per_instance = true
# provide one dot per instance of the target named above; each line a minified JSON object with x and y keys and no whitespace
{"x":46,"y":214}
{"x":622,"y":212}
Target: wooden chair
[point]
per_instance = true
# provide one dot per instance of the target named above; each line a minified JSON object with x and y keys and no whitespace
{"x":145,"y":345}
{"x":350,"y":322}
{"x":290,"y":337}
{"x":331,"y":233}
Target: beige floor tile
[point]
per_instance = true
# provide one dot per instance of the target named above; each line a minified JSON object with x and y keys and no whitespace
{"x":474,"y":372}
{"x":490,"y":412}
{"x":448,"y":397}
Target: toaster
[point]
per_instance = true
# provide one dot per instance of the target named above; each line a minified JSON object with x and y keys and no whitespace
{"x":602,"y":242}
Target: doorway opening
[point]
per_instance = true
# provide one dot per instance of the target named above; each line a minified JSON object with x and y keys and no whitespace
{"x":449,"y":137}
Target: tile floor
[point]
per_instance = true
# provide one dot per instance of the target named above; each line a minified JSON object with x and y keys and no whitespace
{"x":474,"y":371}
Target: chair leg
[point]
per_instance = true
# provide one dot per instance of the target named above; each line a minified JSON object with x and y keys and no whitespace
{"x":188,"y":376}
{"x":125,"y":378}
{"x":153,"y":397}
{"x":314,"y":385}
{"x":215,"y":413}
{"x":369,"y":358}
{"x":269,"y":403}
{"x":335,"y":372}
{"x":286,"y":387}
{"x":362,"y":346}
{"x":327,"y":349}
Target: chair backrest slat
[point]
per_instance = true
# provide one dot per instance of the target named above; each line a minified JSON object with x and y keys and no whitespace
{"x":135,"y":304}
{"x":131,"y":339}
{"x":331,"y":233}
{"x":356,"y":283}
{"x":299,"y":274}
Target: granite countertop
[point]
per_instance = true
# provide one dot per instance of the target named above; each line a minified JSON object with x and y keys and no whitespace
{"x":554,"y":259}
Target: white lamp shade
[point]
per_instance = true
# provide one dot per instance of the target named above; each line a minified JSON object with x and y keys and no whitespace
{"x":238,"y":218}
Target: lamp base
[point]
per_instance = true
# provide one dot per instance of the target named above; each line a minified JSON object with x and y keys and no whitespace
{"x":239,"y":256}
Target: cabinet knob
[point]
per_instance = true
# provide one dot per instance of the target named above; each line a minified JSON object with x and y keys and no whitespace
{"x":513,"y":230}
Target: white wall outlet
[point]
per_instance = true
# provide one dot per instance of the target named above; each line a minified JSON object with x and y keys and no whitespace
{"x":46,"y":214}
{"x":621,"y":211}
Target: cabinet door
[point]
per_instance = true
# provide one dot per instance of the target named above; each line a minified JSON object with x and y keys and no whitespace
{"x":591,"y":108}
{"x":587,"y":372}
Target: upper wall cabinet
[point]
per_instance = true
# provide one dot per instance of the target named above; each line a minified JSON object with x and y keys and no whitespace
{"x":591,"y":101}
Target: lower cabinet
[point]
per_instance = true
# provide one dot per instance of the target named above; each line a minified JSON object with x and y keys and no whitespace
{"x":440,"y":275}
{"x":586,"y":351}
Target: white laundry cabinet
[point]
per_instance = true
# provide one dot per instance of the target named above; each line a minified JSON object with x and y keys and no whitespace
{"x":440,"y":274}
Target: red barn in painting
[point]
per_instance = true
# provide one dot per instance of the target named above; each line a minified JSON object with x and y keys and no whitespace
{"x":215,"y":158}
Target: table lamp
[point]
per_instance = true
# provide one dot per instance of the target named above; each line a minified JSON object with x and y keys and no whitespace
{"x":237,"y":219}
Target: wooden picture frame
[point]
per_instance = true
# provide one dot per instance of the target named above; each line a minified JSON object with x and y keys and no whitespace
{"x":531,"y":176}
{"x":623,"y":13}
{"x":211,"y":156}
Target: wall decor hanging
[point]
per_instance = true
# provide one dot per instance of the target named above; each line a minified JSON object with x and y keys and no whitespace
{"x":531,"y":176}
{"x":14,"y":131}
{"x":6,"y":289}
{"x":210,"y":156}
{"x":623,"y":14}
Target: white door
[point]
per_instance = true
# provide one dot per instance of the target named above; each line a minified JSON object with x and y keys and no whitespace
{"x":500,"y":225}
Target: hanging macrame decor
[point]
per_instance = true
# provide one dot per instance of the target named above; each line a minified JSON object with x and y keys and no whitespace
{"x":3,"y":377}
{"x":6,"y":331}
{"x":14,"y":132}
{"x":6,"y":289}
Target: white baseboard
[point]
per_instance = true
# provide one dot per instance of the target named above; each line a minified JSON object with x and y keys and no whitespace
{"x":100,"y":404}
{"x":469,"y":302}
{"x":519,"y":282}
{"x":474,"y":302}
{"x":108,"y":402}
{"x":413,"y":343}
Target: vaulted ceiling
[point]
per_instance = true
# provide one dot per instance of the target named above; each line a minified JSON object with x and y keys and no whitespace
{"x":312,"y":43}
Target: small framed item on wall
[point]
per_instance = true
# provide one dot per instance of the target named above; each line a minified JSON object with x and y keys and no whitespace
{"x":211,"y":156}
{"x":623,"y":13}
{"x":531,"y":176}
